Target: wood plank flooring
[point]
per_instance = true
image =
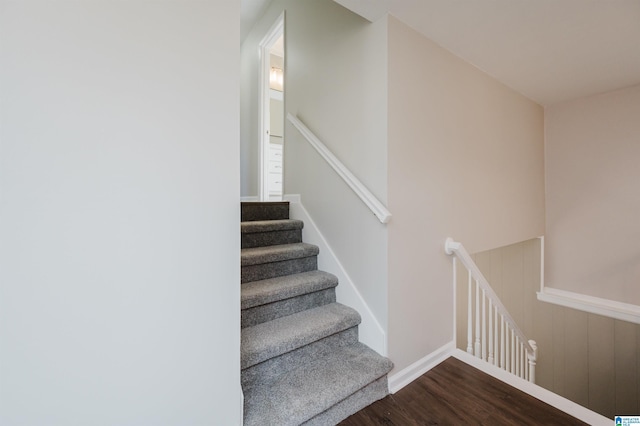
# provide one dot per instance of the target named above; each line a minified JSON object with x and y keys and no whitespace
{"x":454,"y":393}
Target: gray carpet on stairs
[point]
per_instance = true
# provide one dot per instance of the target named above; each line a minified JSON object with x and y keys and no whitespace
{"x":273,"y":338}
{"x":300,"y":356}
{"x":303,"y":393}
{"x":270,"y":225}
{"x":274,"y":210}
{"x":272,"y":368}
{"x":262,"y":271}
{"x":270,"y":232}
{"x":274,"y":261}
{"x":260,"y":255}
{"x":354,"y":403}
{"x":285,"y":307}
{"x":257,"y":293}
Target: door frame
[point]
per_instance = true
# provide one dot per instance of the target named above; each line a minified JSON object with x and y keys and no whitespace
{"x":275,"y":32}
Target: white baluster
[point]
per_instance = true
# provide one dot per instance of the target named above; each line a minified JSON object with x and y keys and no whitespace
{"x":495,"y":343}
{"x":455,"y":300}
{"x":505,"y":345}
{"x":477,"y":345}
{"x":491,"y":359}
{"x":523,"y":357}
{"x":513,"y":352}
{"x":484,"y":326}
{"x":502,"y":344}
{"x":525,"y":366}
{"x":518,"y":345}
{"x":469,"y":318}
{"x":533,"y":357}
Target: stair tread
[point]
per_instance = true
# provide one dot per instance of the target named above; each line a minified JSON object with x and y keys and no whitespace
{"x":250,"y":227}
{"x":273,"y":338}
{"x":256,"y":293}
{"x":298,"y":395}
{"x":260,"y":255}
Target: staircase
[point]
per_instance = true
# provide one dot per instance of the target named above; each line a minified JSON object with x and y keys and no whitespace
{"x":300,"y":357}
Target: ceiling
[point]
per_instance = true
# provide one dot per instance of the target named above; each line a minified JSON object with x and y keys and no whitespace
{"x":548,"y":50}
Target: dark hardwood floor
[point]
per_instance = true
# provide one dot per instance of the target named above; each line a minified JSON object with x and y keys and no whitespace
{"x":454,"y":393}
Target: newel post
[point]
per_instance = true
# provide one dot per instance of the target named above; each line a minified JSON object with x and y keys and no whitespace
{"x":532,"y":361}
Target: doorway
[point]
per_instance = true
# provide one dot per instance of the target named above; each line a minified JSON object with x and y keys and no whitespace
{"x":272,"y":65}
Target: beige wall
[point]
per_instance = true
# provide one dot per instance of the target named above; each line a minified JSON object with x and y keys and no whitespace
{"x":335,"y":81}
{"x":587,"y":358}
{"x":592,"y":152}
{"x":465,"y":160}
{"x":119,"y":181}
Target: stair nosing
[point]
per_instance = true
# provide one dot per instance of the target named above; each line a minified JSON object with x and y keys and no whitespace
{"x":258,"y":226}
{"x":276,"y":253}
{"x":263,"y":292}
{"x":379,"y":367}
{"x":276,"y":337}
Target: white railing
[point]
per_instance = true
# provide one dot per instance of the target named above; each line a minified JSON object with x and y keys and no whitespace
{"x":492,"y":334}
{"x":353,"y":182}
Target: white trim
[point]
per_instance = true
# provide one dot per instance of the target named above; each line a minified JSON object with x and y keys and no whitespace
{"x":249,"y":198}
{"x":353,"y":182}
{"x":455,"y":301}
{"x":407,"y":375}
{"x":595,"y":305}
{"x":534,"y":390}
{"x":370,"y":330}
{"x":582,"y":302}
{"x":276,"y":30}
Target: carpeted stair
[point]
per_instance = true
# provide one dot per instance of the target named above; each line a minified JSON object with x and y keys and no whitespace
{"x":301,"y":360}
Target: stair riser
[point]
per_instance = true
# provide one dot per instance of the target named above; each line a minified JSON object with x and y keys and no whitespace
{"x":281,"y":308}
{"x":271,"y":368}
{"x":354,"y":403}
{"x":264,"y":211}
{"x":263,"y":239}
{"x":278,"y":269}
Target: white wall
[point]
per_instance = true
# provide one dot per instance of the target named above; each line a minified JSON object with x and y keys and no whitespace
{"x":465,"y":161}
{"x":335,"y":81}
{"x":119,"y":185}
{"x":592,"y":147}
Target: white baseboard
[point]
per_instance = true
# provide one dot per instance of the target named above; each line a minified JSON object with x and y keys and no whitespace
{"x":591,"y":304}
{"x":544,"y":395}
{"x":407,"y":375}
{"x":371,"y":333}
{"x":249,"y":198}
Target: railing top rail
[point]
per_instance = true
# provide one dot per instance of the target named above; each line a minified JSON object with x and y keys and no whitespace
{"x":456,"y":248}
{"x":381,"y":212}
